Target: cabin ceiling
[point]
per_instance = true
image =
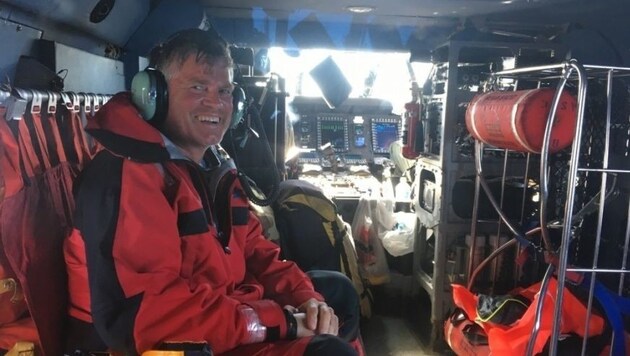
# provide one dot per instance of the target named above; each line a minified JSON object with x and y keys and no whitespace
{"x":391,"y":25}
{"x":416,"y":25}
{"x":58,"y":17}
{"x":385,"y":12}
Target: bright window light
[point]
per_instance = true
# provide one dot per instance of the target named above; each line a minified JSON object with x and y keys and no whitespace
{"x":387,"y":72}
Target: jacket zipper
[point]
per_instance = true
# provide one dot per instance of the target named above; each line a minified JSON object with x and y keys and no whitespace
{"x":199,"y":183}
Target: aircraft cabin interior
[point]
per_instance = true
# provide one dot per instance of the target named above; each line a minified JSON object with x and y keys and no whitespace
{"x":476,"y":154}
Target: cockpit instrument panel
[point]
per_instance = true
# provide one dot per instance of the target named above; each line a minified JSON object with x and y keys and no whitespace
{"x":385,"y":131}
{"x":360,"y":131}
{"x":333,"y":130}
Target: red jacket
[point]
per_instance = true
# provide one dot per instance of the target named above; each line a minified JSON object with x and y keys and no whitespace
{"x":152,"y":258}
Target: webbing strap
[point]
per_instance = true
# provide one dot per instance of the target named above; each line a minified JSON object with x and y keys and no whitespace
{"x":338,"y":243}
{"x":40,"y":137}
{"x":29,"y":157}
{"x":61,"y":153}
{"x":78,"y":138}
{"x":10,"y":160}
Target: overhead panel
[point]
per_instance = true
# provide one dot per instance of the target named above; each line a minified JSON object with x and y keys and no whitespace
{"x":122,"y":21}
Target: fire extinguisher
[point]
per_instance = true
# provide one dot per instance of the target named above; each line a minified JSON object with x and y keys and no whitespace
{"x":413,"y":132}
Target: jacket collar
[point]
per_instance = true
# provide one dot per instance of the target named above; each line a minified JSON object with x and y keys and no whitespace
{"x":120,"y":128}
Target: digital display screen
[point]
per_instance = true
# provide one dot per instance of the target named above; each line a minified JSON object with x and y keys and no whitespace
{"x":333,"y":131}
{"x":383,"y":134}
{"x":309,"y":155}
{"x":359,"y":138}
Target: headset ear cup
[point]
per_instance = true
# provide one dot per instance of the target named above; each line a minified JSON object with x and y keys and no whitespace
{"x":149,"y":93}
{"x":239,"y":105}
{"x":161,"y":100}
{"x":142,"y":92}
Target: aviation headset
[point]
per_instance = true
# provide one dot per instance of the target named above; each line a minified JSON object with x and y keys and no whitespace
{"x":149,"y":93}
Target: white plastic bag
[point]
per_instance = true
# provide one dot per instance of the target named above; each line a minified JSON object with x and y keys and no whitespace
{"x":400,"y":240}
{"x":372,"y":217}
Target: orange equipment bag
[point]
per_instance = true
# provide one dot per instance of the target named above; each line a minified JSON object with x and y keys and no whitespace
{"x":513,"y":338}
{"x":465,"y":337}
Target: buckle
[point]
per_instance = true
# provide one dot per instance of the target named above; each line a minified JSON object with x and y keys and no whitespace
{"x":8,"y":285}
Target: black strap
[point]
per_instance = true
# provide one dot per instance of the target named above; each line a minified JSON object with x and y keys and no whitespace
{"x":291,"y":325}
{"x":338,"y":234}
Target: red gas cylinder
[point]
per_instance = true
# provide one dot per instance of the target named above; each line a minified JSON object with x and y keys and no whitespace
{"x":516,"y":119}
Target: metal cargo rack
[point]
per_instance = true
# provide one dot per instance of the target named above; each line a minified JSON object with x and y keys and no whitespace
{"x":582,"y":197}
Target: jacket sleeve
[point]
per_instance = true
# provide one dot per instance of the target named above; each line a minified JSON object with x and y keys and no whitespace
{"x":134,"y":258}
{"x":282,"y":280}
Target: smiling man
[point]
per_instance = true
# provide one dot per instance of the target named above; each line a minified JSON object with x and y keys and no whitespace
{"x":164,"y":247}
{"x":200,"y":102}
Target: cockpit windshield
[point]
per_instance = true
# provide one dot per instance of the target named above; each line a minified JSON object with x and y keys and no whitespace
{"x":382,"y":75}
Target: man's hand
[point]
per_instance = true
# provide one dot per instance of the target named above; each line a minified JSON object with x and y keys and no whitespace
{"x":302,"y":330}
{"x":319,"y":318}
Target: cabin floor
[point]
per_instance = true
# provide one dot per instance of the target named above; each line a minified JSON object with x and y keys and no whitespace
{"x":400,"y":322}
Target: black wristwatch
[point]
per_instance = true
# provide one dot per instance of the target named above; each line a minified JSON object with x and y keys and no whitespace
{"x":291,"y":325}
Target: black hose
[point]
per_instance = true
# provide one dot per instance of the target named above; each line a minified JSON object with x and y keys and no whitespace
{"x":246,"y":182}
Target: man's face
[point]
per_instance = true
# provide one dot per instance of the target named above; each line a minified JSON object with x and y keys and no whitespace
{"x":199,"y":105}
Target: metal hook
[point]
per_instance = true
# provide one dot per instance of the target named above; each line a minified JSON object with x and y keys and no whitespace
{"x":66,"y":100}
{"x":16,"y":105}
{"x":52,"y":102}
{"x":87,"y":102}
{"x":36,"y":102}
{"x":75,"y":102}
{"x":97,"y":102}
